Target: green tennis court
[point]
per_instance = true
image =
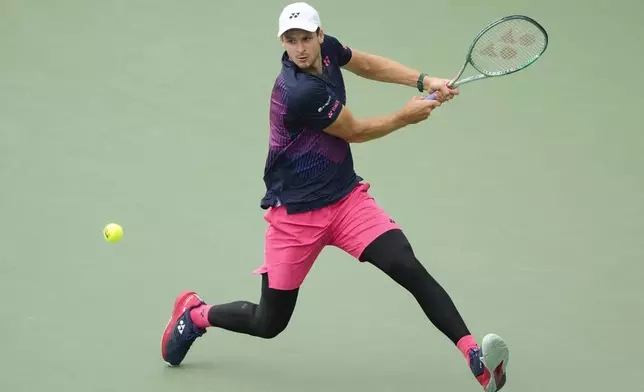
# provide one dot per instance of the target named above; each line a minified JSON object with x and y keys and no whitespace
{"x":524,"y":197}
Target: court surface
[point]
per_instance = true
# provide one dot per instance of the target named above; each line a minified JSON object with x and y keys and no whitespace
{"x":524,"y":197}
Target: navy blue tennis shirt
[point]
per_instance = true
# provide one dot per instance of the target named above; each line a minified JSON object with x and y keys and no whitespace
{"x":306,"y":168}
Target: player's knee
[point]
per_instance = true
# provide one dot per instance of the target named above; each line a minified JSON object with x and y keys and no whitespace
{"x":271,"y":333}
{"x":399,"y":258}
{"x":272,"y":329}
{"x":403,"y":262}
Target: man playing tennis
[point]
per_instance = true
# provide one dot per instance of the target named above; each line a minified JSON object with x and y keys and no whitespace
{"x":315,"y":199}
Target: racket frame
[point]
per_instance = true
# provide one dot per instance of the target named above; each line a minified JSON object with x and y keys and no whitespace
{"x":468,"y":58}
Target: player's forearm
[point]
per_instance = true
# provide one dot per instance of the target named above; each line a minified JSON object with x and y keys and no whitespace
{"x":372,"y":128}
{"x":386,"y":70}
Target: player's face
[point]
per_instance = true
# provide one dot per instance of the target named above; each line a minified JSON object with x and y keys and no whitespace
{"x":303,"y":47}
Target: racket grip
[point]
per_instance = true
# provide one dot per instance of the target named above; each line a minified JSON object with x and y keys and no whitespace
{"x":431,"y":96}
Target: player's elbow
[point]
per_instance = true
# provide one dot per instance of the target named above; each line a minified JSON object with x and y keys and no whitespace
{"x":349,"y":136}
{"x":353,"y":133}
{"x":356,"y":137}
{"x":361,"y":131}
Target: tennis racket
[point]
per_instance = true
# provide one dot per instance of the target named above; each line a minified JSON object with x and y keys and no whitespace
{"x":504,"y":47}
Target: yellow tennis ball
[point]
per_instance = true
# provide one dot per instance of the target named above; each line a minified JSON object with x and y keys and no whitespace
{"x":113,"y":232}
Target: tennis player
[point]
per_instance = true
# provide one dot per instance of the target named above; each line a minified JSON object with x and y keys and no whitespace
{"x":315,"y":199}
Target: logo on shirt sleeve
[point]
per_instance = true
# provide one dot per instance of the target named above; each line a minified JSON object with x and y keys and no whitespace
{"x":335,"y":106}
{"x":321,"y":108}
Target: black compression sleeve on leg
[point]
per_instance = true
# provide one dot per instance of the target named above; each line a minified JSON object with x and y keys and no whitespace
{"x":392,"y":254}
{"x":265,"y":320}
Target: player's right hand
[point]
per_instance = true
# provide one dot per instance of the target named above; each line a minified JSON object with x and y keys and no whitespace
{"x":418,"y":109}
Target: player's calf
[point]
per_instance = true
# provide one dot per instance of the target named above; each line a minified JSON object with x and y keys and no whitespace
{"x":265,"y":320}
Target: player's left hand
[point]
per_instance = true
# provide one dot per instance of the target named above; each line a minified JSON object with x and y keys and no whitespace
{"x":444,"y":93}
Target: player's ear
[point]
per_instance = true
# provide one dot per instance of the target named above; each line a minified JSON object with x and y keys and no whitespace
{"x":320,"y":34}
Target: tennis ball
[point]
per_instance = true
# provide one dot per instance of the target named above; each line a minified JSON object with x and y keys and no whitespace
{"x":113,"y":232}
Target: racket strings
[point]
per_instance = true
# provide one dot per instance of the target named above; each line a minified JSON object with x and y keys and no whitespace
{"x":508,"y":46}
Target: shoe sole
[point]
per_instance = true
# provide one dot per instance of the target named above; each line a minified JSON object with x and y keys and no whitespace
{"x":495,"y":352}
{"x":180,"y":302}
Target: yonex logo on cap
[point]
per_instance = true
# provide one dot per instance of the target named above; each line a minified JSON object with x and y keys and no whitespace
{"x":298,"y":16}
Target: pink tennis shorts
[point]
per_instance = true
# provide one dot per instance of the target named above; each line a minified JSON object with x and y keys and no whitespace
{"x":293,"y":242}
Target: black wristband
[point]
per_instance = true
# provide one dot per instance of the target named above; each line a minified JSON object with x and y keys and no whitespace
{"x":419,"y":84}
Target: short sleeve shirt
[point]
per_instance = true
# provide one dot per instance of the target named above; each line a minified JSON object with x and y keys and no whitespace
{"x":306,"y":168}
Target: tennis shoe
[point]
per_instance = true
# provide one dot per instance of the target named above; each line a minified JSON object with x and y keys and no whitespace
{"x":180,"y":332}
{"x":489,"y":362}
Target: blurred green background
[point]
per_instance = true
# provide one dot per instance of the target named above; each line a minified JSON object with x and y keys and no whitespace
{"x":524,"y":197}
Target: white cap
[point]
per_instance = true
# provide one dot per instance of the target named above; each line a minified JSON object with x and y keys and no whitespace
{"x":298,"y":16}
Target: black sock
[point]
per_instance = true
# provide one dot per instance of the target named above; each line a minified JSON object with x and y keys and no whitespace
{"x":392,"y":254}
{"x":265,"y":320}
